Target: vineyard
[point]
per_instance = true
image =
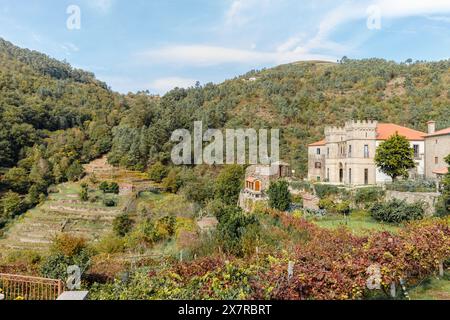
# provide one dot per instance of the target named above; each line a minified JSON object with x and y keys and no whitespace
{"x":324,"y":264}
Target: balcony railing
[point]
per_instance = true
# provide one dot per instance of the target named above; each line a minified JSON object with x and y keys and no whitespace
{"x":17,"y":287}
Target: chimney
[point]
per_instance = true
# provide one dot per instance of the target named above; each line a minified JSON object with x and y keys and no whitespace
{"x":431,"y":127}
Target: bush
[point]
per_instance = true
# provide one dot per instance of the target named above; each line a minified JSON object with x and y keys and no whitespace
{"x":112,"y":187}
{"x":157,"y":172}
{"x":397,"y":211}
{"x":110,"y":244}
{"x":229,"y":184}
{"x":367,"y":196}
{"x":12,"y":205}
{"x":325,"y":190}
{"x":84,"y":193}
{"x":122,"y":225}
{"x":327,"y":204}
{"x":412,"y":186}
{"x":344,"y":208}
{"x":172,"y":183}
{"x":66,"y":251}
{"x":108,"y":202}
{"x":233,"y":224}
{"x":279,"y":195}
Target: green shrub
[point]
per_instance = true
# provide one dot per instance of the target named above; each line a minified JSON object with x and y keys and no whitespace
{"x":367,"y":196}
{"x":412,"y":186}
{"x":66,"y":251}
{"x":397,"y":211}
{"x":297,"y":200}
{"x":229,"y":184}
{"x":343,"y":208}
{"x":325,"y":190}
{"x":279,"y":195}
{"x":108,"y":202}
{"x":157,"y":172}
{"x":110,"y":244}
{"x":122,"y":225}
{"x":112,"y":187}
{"x":84,"y":193}
{"x":327,"y":204}
{"x":302,"y":185}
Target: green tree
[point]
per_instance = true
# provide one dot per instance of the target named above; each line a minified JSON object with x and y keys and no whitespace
{"x":443,"y":206}
{"x":122,"y":225}
{"x":12,"y":205}
{"x":395,"y":157}
{"x":157,"y":172}
{"x":17,"y":179}
{"x":84,"y":193}
{"x":233,"y":224}
{"x":279,"y":195}
{"x":229,"y":184}
{"x":172,"y":182}
{"x":75,"y":171}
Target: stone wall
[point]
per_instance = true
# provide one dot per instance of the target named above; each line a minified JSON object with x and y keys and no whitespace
{"x":429,"y":198}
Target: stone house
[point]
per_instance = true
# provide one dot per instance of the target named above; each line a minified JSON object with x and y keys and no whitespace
{"x":257,"y":181}
{"x":126,"y":189}
{"x":437,"y":148}
{"x":346,"y":155}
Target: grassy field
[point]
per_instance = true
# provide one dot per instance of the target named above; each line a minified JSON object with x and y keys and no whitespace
{"x":360,"y":222}
{"x":432,"y":289}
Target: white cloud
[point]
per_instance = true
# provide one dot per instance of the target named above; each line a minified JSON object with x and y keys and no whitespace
{"x":204,"y":55}
{"x":166,"y":84}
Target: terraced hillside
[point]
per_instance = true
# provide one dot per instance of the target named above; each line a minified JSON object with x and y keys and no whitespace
{"x":64,"y":212}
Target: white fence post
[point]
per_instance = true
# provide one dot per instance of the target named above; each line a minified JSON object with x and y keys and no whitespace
{"x":393,"y":290}
{"x":290,"y":270}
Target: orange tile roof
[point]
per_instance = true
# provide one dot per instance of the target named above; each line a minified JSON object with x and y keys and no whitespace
{"x":387,"y":130}
{"x":440,"y":133}
{"x":441,"y":171}
{"x":318,"y":143}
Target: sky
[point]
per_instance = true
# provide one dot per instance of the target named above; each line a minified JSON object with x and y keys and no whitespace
{"x":157,"y":45}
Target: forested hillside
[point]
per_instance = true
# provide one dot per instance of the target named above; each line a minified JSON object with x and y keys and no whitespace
{"x":54,"y":117}
{"x":300,"y":98}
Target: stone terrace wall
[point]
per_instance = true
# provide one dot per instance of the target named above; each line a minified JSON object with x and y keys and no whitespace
{"x":430,"y":198}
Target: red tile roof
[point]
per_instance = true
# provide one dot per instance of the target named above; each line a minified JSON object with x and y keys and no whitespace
{"x":387,"y":130}
{"x":318,"y":143}
{"x":440,"y":133}
{"x":441,"y":171}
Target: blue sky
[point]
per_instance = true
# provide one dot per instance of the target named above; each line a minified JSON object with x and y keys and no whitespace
{"x":159,"y":44}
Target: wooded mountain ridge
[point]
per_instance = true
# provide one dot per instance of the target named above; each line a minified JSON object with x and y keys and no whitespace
{"x":55,"y":117}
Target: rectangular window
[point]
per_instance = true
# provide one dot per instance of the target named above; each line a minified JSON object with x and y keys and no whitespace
{"x":318,"y":165}
{"x":366,"y":176}
{"x":328,"y":152}
{"x":416,"y":151}
{"x":366,"y":151}
{"x":349,"y":151}
{"x":350,"y":176}
{"x":318,"y":151}
{"x":328,"y":174}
